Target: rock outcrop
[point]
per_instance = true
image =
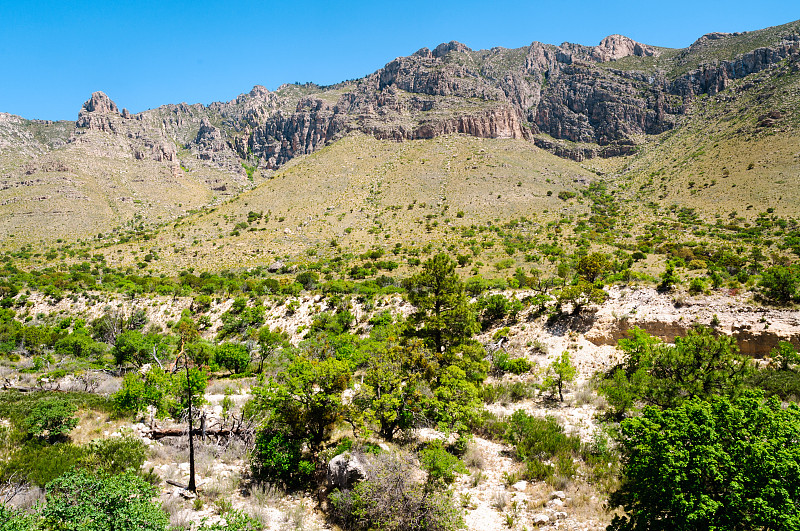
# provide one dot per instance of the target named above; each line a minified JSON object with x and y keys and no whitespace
{"x":568,"y":99}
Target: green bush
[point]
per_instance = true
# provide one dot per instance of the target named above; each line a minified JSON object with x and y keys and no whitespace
{"x":116,"y":454}
{"x":723,"y":464}
{"x":779,"y":284}
{"x":537,"y":440}
{"x":277,"y":456}
{"x":39,"y":463}
{"x":51,"y":419}
{"x":233,"y":356}
{"x":440,"y":465}
{"x":79,"y":501}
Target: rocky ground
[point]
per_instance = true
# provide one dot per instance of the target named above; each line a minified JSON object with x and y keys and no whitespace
{"x":491,"y":493}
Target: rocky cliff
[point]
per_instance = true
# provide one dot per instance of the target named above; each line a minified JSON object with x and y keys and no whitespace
{"x":577,"y":101}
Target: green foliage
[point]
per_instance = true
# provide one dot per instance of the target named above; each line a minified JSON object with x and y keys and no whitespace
{"x":51,"y":419}
{"x":79,"y":345}
{"x":391,"y":499}
{"x":134,"y":347}
{"x":443,"y":315}
{"x":116,"y":454}
{"x":79,"y":501}
{"x":39,"y":463}
{"x":669,"y":279}
{"x":779,"y":284}
{"x":279,"y":457}
{"x":441,"y":465}
{"x":723,"y":464}
{"x":391,"y":391}
{"x":240,"y":318}
{"x":502,"y":363}
{"x":559,"y":373}
{"x":233,"y":356}
{"x":155,"y":388}
{"x":233,"y":520}
{"x":592,"y":267}
{"x":579,"y":295}
{"x":496,"y":307}
{"x":305,"y":399}
{"x":700,"y":364}
{"x":537,"y":440}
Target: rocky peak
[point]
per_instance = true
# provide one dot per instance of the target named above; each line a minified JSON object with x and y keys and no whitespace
{"x":100,"y":103}
{"x":259,"y":90}
{"x":616,"y":47}
{"x":452,"y":46}
{"x":99,"y":113}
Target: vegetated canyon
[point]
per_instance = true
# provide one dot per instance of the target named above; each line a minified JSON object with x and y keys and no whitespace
{"x":552,"y":286}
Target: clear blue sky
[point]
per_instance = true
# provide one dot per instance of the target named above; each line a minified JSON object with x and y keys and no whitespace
{"x":54,"y":54}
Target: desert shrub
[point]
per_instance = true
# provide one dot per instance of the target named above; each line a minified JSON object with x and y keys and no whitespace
{"x":502,"y":363}
{"x":39,"y":463}
{"x":779,"y":284}
{"x":701,"y":364}
{"x":79,"y":345}
{"x":496,"y":307}
{"x":506,"y":392}
{"x":79,"y":501}
{"x":51,"y":419}
{"x":116,"y":454}
{"x":392,"y":499}
{"x":538,"y":438}
{"x":440,"y":465}
{"x":696,"y":285}
{"x":279,"y":457}
{"x":559,"y":373}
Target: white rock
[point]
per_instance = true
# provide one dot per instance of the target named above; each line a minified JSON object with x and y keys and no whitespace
{"x":556,"y":503}
{"x":560,"y":515}
{"x":520,"y":486}
{"x":558,"y":494}
{"x":539,"y":519}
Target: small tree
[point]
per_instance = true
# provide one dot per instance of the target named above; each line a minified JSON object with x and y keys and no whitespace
{"x":233,"y":356}
{"x":723,"y":464}
{"x":779,"y":284}
{"x":50,"y":419}
{"x":443,"y":314}
{"x":559,"y":373}
{"x":592,"y":267}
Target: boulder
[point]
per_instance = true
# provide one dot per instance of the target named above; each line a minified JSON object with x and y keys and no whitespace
{"x":345,"y":470}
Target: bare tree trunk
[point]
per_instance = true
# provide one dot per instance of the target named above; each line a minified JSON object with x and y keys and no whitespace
{"x":192,"y":486}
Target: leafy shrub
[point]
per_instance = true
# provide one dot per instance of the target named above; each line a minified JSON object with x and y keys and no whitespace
{"x":503,"y":363}
{"x":39,"y":463}
{"x":440,"y":464}
{"x":277,"y":456}
{"x":116,"y":454}
{"x":700,"y":364}
{"x":391,"y":499}
{"x":79,"y":501}
{"x":51,"y":419}
{"x":538,"y":438}
{"x":233,"y":356}
{"x":721,"y":464}
{"x":779,"y":284}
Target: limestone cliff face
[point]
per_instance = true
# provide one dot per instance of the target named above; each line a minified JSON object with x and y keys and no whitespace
{"x":143,"y":141}
{"x":568,"y":99}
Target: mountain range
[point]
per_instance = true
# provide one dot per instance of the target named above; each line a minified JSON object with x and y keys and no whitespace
{"x":619,"y":112}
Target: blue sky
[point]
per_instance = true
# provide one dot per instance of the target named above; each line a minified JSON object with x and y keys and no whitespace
{"x":54,"y":54}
